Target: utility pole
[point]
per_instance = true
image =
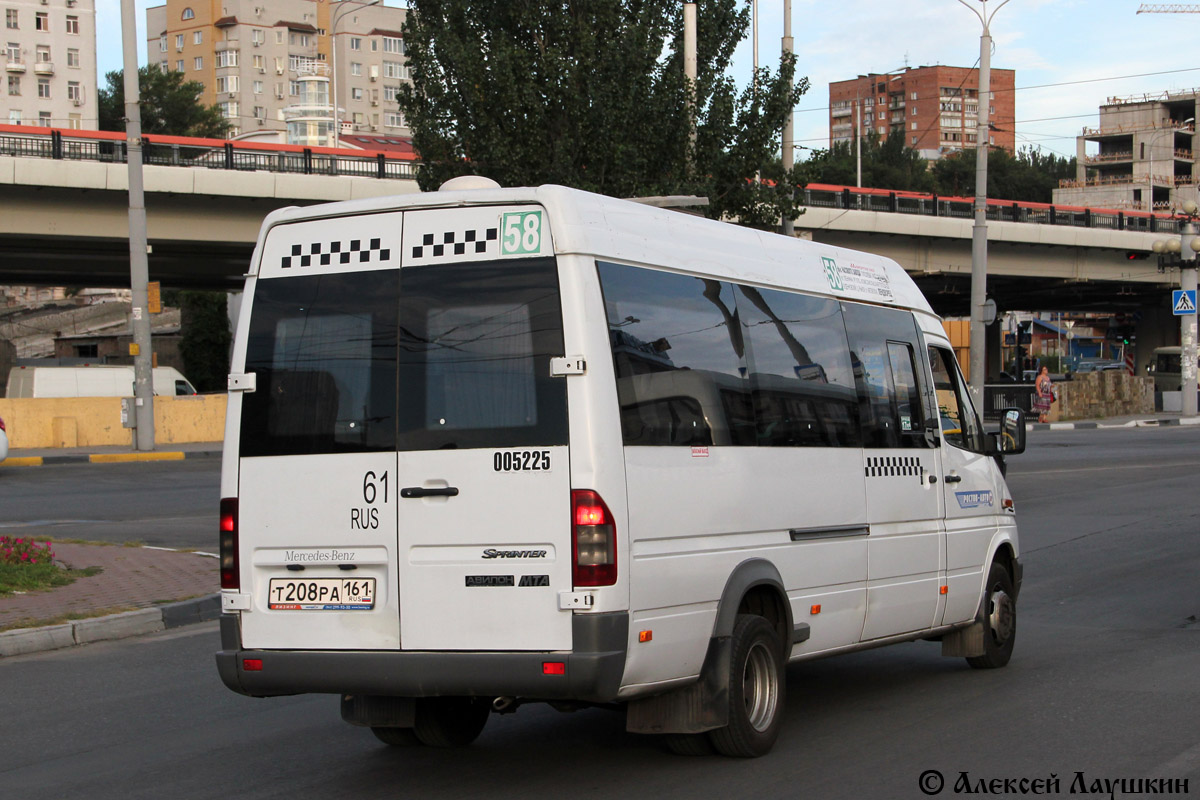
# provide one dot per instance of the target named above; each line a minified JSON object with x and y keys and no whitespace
{"x":689,"y":71}
{"x":978,"y":362}
{"x":789,"y":154}
{"x":139,"y":271}
{"x":1183,"y":253}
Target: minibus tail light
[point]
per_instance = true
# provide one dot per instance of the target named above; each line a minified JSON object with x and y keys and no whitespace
{"x":594,"y":540}
{"x":229,"y":544}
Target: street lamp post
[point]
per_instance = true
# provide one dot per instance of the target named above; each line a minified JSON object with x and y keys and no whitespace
{"x":1181,"y":253}
{"x":979,"y":231}
{"x":337,"y":16}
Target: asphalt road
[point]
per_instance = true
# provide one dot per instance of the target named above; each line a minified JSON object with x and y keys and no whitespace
{"x":160,"y":503}
{"x":1105,"y":682}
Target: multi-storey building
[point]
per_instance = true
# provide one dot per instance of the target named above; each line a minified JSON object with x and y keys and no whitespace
{"x":274,"y":65}
{"x":935,"y":108}
{"x":49,"y":63}
{"x":1145,"y":154}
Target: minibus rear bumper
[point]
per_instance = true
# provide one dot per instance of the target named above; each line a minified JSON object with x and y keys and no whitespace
{"x":591,"y":671}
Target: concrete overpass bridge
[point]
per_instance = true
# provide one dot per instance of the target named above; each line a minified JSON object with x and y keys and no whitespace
{"x":63,"y":220}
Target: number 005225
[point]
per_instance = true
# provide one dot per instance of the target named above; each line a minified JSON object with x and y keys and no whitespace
{"x":521,"y":461}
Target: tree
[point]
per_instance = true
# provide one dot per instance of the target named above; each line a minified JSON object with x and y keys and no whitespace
{"x":204,"y":344}
{"x":169,"y":104}
{"x":886,"y":164}
{"x":592,"y":95}
{"x":1029,"y":176}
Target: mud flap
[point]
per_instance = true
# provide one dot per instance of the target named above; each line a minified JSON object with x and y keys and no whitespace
{"x":702,"y":706}
{"x":965,"y":642}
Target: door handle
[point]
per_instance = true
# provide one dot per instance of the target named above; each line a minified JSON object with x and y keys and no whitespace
{"x":421,"y":491}
{"x":953,"y":479}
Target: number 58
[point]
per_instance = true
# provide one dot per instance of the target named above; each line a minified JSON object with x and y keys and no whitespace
{"x":522,"y":233}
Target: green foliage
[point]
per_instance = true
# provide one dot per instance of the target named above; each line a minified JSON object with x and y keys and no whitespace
{"x":22,"y":550}
{"x":1028,"y":176}
{"x":169,"y":105}
{"x":205,"y":339}
{"x":886,"y":164}
{"x":592,"y":95}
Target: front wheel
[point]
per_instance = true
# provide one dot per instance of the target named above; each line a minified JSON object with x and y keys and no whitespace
{"x":756,"y":690}
{"x":998,"y":614}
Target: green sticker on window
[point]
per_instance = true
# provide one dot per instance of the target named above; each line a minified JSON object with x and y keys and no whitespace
{"x":521,"y":233}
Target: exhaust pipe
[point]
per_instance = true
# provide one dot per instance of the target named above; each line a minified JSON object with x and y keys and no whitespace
{"x":505,"y":705}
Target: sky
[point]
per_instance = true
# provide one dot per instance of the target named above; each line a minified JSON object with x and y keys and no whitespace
{"x":1070,"y":56}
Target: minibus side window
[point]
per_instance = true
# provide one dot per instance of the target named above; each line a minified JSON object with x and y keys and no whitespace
{"x":679,"y":356}
{"x":323,"y":348}
{"x":960,"y":425}
{"x":801,"y":381}
{"x":882,"y":342}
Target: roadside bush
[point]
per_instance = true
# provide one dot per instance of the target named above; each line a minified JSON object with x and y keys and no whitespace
{"x":24,"y":551}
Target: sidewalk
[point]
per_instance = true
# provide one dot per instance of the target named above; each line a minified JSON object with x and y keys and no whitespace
{"x":138,"y":590}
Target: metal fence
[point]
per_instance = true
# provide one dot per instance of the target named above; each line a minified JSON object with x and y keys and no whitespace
{"x":962,"y":208}
{"x":227,"y":156}
{"x":999,"y":396}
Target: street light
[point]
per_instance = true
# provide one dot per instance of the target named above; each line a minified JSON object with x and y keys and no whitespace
{"x":979,"y":231}
{"x":1153,"y":139}
{"x":1181,"y":253}
{"x":335,"y":18}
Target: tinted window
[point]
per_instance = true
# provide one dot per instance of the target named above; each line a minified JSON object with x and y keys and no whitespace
{"x":475,"y":347}
{"x":960,"y":425}
{"x":802,"y":383}
{"x":679,"y":354}
{"x":884,"y":393}
{"x":323,"y":348}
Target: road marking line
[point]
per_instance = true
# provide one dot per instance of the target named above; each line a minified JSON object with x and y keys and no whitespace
{"x":22,"y":461}
{"x":1018,"y":474}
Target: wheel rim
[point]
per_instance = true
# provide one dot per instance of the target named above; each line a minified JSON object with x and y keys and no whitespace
{"x":760,"y":688}
{"x":1002,"y":617}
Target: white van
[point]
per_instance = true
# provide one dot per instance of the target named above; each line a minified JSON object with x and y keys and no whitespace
{"x":93,"y":380}
{"x":491,"y":446}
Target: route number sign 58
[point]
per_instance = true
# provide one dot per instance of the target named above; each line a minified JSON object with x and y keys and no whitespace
{"x":521,"y":233}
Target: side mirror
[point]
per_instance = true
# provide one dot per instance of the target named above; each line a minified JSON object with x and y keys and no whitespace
{"x":1011,"y":438}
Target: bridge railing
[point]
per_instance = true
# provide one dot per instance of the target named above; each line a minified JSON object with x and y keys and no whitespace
{"x":178,"y":151}
{"x":931,"y":205}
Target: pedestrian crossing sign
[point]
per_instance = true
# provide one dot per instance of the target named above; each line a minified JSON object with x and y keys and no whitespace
{"x":1183,"y":302}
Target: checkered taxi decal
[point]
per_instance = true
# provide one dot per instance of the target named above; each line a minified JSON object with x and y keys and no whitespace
{"x":455,"y":243}
{"x":895,"y":467}
{"x":340,"y":252}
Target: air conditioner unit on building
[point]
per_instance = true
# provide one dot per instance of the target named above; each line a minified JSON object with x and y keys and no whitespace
{"x":76,"y":102}
{"x":279,"y":70}
{"x":45,"y":2}
{"x":262,"y":71}
{"x":261,"y":121}
{"x":257,"y":43}
{"x":374,"y":73}
{"x":279,"y":95}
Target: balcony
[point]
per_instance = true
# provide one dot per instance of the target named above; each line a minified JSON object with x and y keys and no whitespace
{"x":840,"y":112}
{"x":44,"y":68}
{"x":1109,"y":158}
{"x":15,"y":66}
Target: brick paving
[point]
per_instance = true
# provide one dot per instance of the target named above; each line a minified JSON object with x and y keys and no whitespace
{"x":132,"y":577}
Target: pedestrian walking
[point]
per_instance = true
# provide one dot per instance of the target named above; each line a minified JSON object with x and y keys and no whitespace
{"x":1045,"y":394}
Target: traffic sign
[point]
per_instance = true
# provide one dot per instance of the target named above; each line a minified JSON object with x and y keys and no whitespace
{"x":1183,"y":303}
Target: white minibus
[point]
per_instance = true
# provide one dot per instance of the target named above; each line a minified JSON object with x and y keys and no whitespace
{"x":490,"y":446}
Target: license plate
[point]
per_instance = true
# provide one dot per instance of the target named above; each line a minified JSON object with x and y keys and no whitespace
{"x":321,"y":594}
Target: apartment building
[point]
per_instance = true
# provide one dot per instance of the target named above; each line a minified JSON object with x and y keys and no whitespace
{"x":1144,"y":154}
{"x":270,"y":64}
{"x":49,"y":63}
{"x":935,"y":108}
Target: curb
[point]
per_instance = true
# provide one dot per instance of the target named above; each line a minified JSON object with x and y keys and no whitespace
{"x":107,"y":458}
{"x":114,"y":626}
{"x":1133,"y":423}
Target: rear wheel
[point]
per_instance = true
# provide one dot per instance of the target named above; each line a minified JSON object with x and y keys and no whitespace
{"x":450,"y":721}
{"x":397,"y":737}
{"x":756,"y":690}
{"x":689,"y":744}
{"x":999,"y":617}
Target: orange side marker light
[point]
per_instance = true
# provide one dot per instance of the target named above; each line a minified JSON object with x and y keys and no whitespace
{"x":645,"y":636}
{"x":944,"y":590}
{"x":816,"y":609}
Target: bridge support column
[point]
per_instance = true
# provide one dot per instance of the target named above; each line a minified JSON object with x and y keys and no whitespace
{"x":1158,"y":327}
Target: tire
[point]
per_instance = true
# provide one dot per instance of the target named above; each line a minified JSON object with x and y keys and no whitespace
{"x":689,"y":744}
{"x":998,"y":613}
{"x":757,"y":691}
{"x":397,"y":737}
{"x":450,"y":721}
